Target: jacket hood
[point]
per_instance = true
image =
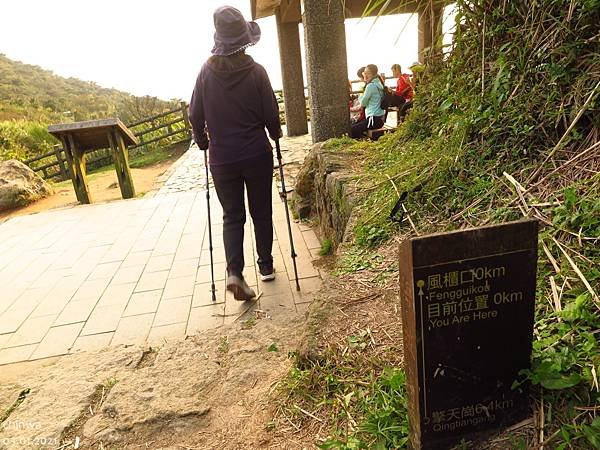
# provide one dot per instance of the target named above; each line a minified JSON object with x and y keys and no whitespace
{"x":230,"y":70}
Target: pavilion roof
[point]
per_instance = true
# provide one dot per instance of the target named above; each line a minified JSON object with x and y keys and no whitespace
{"x":290,"y":9}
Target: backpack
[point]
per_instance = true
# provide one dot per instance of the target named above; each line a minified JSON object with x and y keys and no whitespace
{"x":387,"y":98}
{"x":386,"y":95}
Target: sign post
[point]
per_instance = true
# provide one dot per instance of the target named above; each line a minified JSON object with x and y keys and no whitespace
{"x":467,"y":310}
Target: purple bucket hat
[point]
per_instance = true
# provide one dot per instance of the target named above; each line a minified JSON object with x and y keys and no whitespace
{"x":232,"y":32}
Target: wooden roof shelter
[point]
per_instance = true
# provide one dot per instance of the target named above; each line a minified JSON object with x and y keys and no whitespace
{"x":290,"y":10}
{"x":326,"y":57}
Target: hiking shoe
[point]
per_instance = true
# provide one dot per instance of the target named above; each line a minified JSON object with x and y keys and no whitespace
{"x":240,"y":289}
{"x":267,"y":273}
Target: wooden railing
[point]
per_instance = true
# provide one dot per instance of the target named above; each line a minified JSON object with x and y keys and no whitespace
{"x":150,"y":131}
{"x":279,"y":92}
{"x":279,"y":96}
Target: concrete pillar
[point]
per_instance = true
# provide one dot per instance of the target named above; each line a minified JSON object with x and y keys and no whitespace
{"x":430,"y":29}
{"x":293,"y":82}
{"x":327,"y":68}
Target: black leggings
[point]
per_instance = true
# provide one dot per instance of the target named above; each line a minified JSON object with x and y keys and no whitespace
{"x":397,"y":100}
{"x":370,"y":123}
{"x":257,"y":175}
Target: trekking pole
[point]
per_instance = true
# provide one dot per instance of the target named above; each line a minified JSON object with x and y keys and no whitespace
{"x":210,"y":242}
{"x":287,"y":212}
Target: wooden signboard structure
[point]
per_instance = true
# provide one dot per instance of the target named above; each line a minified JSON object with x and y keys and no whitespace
{"x":81,"y":137}
{"x":467,"y":312}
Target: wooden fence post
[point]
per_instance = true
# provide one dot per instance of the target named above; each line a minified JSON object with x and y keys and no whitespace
{"x":61,"y":163}
{"x":186,"y":118}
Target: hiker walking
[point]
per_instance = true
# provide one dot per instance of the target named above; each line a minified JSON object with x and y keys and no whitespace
{"x":231,"y":105}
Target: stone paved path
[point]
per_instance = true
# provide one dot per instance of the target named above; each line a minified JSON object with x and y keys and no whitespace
{"x":136,"y":271}
{"x":188,"y":173}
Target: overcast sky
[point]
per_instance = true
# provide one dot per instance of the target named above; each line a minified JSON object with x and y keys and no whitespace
{"x":154,"y":47}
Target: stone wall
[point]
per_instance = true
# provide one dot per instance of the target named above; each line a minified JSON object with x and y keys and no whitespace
{"x":325,"y":190}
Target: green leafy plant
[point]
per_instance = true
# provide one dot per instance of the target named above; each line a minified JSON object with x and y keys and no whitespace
{"x":326,"y":247}
{"x":355,"y":260}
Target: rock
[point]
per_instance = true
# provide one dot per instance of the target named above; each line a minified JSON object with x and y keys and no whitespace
{"x":323,"y":190}
{"x":304,"y":190}
{"x":19,"y":185}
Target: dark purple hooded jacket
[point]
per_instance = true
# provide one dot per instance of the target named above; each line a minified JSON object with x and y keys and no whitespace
{"x":233,"y":99}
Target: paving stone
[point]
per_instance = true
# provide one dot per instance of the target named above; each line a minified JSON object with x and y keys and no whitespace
{"x":133,"y":330}
{"x":273,"y":303}
{"x":31,"y":331}
{"x":92,"y":342}
{"x":74,"y":312}
{"x":143,"y":303}
{"x":172,"y":311}
{"x":88,"y":260}
{"x":145,"y":244}
{"x":136,"y":259}
{"x":4,"y":339}
{"x":218,"y":256}
{"x":106,"y":270}
{"x":58,"y":341}
{"x":129,"y":274}
{"x":205,"y":318}
{"x":159,"y":263}
{"x":239,"y":311}
{"x":279,"y":286}
{"x":314,"y":253}
{"x":8,"y":298}
{"x":29,"y":299}
{"x":311,"y":240}
{"x":203,"y":294}
{"x":16,"y":354}
{"x":203,"y":275}
{"x":67,"y":287}
{"x":184,"y":268}
{"x":308,"y":286}
{"x":91,"y":289}
{"x":49,"y":278}
{"x":116,"y":294}
{"x":50,"y":306}
{"x":103,"y":319}
{"x":151,"y":281}
{"x":179,"y":287}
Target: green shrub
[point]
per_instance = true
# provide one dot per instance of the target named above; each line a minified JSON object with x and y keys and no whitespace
{"x":21,"y":139}
{"x":326,"y":247}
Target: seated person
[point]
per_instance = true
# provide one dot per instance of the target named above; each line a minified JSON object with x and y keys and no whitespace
{"x":357,"y":112}
{"x":360,"y":76}
{"x":404,"y":90}
{"x":417,"y":70}
{"x":371,"y":101}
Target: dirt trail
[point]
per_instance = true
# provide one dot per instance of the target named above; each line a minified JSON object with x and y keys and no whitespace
{"x":104,"y":187}
{"x":209,"y":391}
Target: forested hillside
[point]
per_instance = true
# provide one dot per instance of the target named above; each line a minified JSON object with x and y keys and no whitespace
{"x":32,"y":93}
{"x":31,"y":98}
